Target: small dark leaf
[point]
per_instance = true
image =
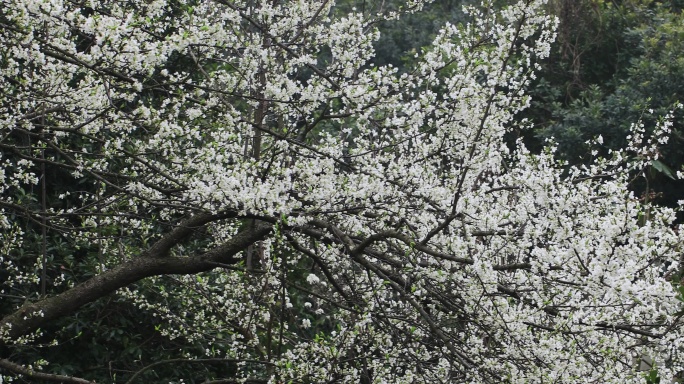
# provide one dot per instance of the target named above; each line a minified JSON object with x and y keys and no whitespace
{"x":662,"y":168}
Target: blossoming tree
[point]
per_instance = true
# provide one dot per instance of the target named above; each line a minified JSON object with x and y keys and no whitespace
{"x":243,"y":172}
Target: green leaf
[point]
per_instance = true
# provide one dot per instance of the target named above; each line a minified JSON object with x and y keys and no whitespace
{"x":662,"y":168}
{"x":652,"y":377}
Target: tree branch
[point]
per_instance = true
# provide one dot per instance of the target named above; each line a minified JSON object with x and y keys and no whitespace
{"x":184,"y":229}
{"x":21,"y":370}
{"x":32,"y":316}
{"x":193,"y":361}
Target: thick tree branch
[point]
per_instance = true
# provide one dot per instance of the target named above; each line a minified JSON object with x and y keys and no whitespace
{"x":31,"y":374}
{"x":32,"y":316}
{"x":184,"y":229}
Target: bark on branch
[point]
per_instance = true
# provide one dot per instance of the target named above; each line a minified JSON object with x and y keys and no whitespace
{"x":36,"y":315}
{"x":21,"y":370}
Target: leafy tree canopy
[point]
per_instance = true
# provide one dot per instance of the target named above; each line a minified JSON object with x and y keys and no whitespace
{"x":616,"y":62}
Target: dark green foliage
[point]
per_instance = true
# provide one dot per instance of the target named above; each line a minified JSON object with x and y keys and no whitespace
{"x":616,"y":63}
{"x":401,"y":39}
